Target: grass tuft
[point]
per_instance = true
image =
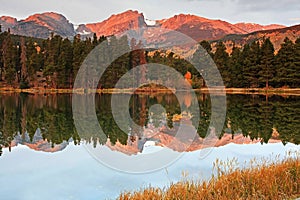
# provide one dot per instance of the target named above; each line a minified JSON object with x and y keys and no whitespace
{"x":262,"y":180}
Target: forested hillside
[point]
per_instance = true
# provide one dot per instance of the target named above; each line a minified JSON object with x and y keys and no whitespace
{"x":53,"y":63}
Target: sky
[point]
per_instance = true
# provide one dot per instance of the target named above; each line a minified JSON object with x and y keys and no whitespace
{"x":285,"y":12}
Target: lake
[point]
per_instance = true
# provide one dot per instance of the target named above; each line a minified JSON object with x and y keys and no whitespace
{"x":47,"y":154}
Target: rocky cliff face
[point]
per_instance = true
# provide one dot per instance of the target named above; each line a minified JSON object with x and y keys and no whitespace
{"x":39,"y":25}
{"x":115,"y":24}
{"x":7,"y":22}
{"x":252,"y":27}
{"x":200,"y":28}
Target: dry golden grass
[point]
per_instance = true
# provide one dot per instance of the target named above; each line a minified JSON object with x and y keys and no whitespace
{"x":270,"y":180}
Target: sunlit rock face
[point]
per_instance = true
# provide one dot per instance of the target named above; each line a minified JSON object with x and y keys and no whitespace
{"x":115,"y":24}
{"x":198,"y":28}
{"x":252,"y":27}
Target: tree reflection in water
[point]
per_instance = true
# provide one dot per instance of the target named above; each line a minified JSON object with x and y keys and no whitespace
{"x":260,"y":118}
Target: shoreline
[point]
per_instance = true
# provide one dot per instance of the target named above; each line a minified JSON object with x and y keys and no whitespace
{"x":213,"y":90}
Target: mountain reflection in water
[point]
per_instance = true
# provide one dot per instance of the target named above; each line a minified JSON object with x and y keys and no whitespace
{"x":45,"y":122}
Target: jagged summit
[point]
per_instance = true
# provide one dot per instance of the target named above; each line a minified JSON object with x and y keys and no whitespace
{"x":116,"y":23}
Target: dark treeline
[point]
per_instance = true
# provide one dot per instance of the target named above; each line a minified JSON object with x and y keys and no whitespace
{"x":28,"y":62}
{"x":54,"y":63}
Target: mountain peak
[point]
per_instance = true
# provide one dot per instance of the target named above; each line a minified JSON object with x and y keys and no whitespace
{"x":46,"y":15}
{"x":42,"y":24}
{"x":189,"y":16}
{"x":7,"y":22}
{"x":116,"y":23}
{"x":128,"y":12}
{"x":8,"y":19}
{"x":183,"y":18}
{"x":200,"y":28}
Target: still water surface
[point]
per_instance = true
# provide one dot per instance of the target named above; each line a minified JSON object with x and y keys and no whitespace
{"x":41,"y":151}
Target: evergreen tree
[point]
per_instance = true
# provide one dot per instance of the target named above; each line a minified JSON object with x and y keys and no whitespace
{"x":122,"y":63}
{"x":34,"y":58}
{"x":1,"y":62}
{"x":285,"y":64}
{"x":9,"y":59}
{"x":236,"y":68}
{"x":52,"y":53}
{"x":137,"y":57}
{"x":251,"y":61}
{"x":24,"y":82}
{"x":65,"y":64}
{"x":221,"y":59}
{"x":202,"y":59}
{"x":95,"y":40}
{"x":101,"y":39}
{"x":266,"y":67}
{"x":119,"y":66}
{"x":78,"y":54}
{"x":296,"y":77}
{"x":88,"y":47}
{"x":206,"y":45}
{"x":53,"y":48}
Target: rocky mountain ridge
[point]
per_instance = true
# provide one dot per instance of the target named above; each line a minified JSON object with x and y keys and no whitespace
{"x":252,"y":27}
{"x":199,"y":28}
{"x":276,"y":36}
{"x":39,"y":25}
